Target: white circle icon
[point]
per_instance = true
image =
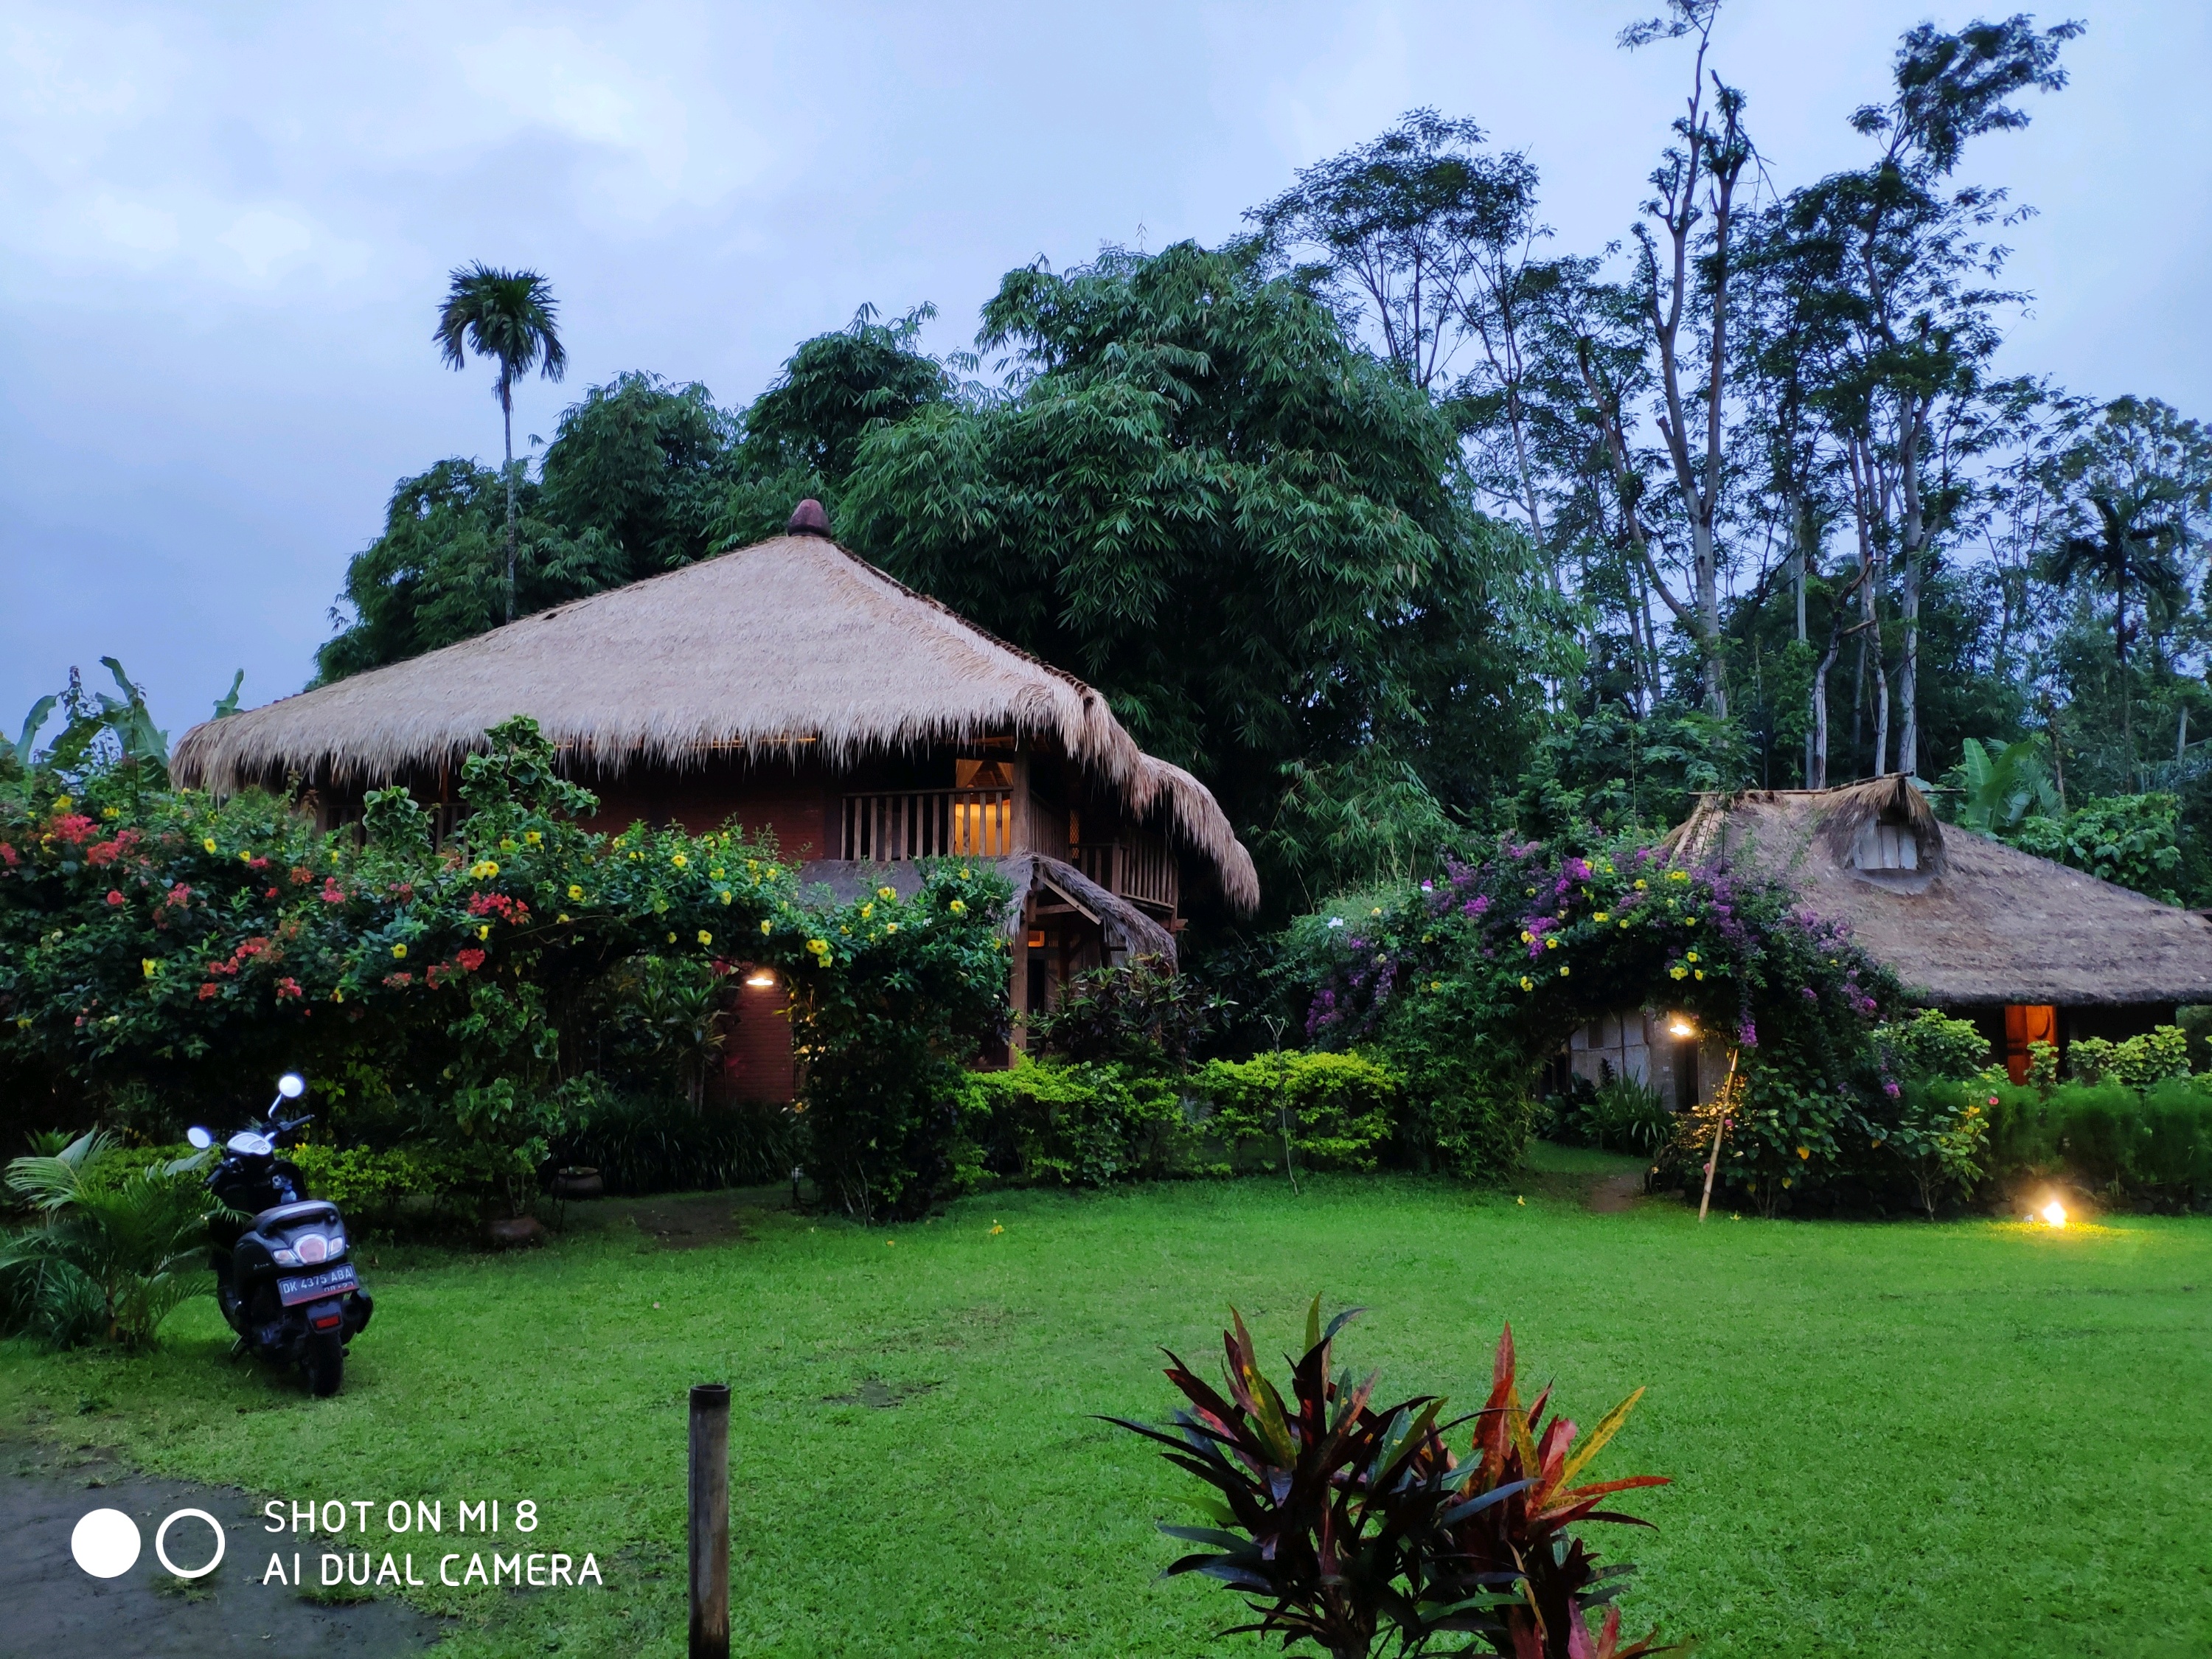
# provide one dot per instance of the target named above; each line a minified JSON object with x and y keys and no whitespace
{"x":106,"y":1543}
{"x":161,"y":1540}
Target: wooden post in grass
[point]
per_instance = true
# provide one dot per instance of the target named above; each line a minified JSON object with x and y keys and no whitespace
{"x":1726,"y":1103}
{"x":710,"y":1521}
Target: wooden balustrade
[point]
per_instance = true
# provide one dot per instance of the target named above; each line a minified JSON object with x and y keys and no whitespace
{"x":1141,"y":869}
{"x":926,"y":824}
{"x":922,"y":823}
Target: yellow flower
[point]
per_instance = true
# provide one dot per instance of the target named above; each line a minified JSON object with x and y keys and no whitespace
{"x":726,"y":895}
{"x":886,"y":892}
{"x":671,"y":939}
{"x":22,"y":1021}
{"x":1701,"y":973}
{"x":1564,"y":970}
{"x":1623,"y":923}
{"x":151,"y":966}
{"x":575,"y":890}
{"x":1804,"y":1152}
{"x":109,"y":813}
{"x":959,"y":906}
{"x":1689,"y":956}
{"x":484,"y":931}
{"x":246,"y":855}
{"x":705,"y":938}
{"x":564,"y":916}
{"x":1551,"y":945}
{"x":1528,"y":937}
{"x":714,"y":874}
{"x":1528,"y":984}
{"x":207,"y":843}
{"x":1436,"y":985}
{"x":1677,"y":971}
{"x":506,"y":843}
{"x":334,"y":855}
{"x":1641,"y":883}
{"x":819,"y":946}
{"x":866,"y":911}
{"x":996,"y":1230}
{"x":63,"y":803}
{"x":534,"y":837}
{"x":679,"y":861}
{"x":400,"y":953}
{"x":764,"y":924}
{"x":889,"y":926}
{"x":484,"y":869}
{"x":1602,"y":916}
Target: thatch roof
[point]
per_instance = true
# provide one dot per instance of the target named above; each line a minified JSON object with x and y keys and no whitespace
{"x":1979,"y":923}
{"x":1126,"y":926}
{"x":793,"y":640}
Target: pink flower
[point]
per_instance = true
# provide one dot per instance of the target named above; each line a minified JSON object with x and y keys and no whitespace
{"x":114,"y":897}
{"x":471,"y":959}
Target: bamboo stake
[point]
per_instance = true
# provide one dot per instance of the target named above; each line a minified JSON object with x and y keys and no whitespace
{"x":1727,"y":1105}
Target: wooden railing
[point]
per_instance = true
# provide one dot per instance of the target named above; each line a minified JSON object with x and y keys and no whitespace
{"x":925,"y":823}
{"x":1141,"y":869}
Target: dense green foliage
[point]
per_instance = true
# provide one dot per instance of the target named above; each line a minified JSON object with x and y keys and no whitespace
{"x":492,"y":994}
{"x":1466,"y":986}
{"x":116,"y":1249}
{"x":986,"y":1512}
{"x":1091,"y":1123}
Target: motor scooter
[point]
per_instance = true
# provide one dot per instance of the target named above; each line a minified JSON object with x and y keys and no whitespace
{"x":282,"y":1279}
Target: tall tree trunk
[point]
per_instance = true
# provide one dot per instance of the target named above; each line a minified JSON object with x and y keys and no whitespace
{"x":507,"y":416}
{"x":1880,"y":717}
{"x":1911,"y":439}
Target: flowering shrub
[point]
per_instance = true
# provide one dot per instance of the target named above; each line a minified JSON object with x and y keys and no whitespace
{"x":152,"y":937}
{"x":1466,"y":984}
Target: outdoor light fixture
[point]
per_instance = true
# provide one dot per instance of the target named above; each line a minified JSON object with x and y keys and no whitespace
{"x":1036,"y":939}
{"x":761,"y":980}
{"x":1680,"y":1026}
{"x":2055,"y":1214}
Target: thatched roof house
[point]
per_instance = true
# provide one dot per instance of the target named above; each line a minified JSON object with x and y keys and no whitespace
{"x":803,"y":691}
{"x":2032,"y":950}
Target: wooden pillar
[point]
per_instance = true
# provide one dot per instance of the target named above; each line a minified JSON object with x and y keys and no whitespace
{"x":710,"y":1521}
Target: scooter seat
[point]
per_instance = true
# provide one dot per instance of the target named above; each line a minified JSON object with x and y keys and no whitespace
{"x":291,"y":1215}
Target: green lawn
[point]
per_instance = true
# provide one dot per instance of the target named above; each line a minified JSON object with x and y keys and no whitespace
{"x":1900,"y":1439}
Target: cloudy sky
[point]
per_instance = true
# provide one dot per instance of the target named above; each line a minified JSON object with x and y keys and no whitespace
{"x":224,"y":231}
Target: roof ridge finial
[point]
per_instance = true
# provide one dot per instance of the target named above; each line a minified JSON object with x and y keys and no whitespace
{"x":808,"y":519}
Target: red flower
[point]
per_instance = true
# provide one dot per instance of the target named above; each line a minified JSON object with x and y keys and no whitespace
{"x":400,"y":980}
{"x":471,"y":959}
{"x":8,"y":855}
{"x":114,"y":897}
{"x":74,"y":827}
{"x":332,"y":893}
{"x":301,"y":875}
{"x":102,"y":852}
{"x":256,"y":864}
{"x":207,"y":991}
{"x":287,"y":987}
{"x":272,"y":892}
{"x":180,"y":895}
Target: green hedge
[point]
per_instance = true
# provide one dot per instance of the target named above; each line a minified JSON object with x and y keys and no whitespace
{"x":1092,"y":1124}
{"x":2154,"y":1143}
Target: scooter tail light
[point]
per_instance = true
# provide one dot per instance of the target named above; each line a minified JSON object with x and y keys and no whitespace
{"x":312,"y":1247}
{"x":286,"y":1258}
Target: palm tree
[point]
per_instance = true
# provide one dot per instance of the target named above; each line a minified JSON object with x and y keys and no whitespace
{"x":2131,"y":551}
{"x":507,"y":316}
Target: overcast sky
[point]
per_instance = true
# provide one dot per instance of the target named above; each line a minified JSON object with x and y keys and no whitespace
{"x":224,"y":231}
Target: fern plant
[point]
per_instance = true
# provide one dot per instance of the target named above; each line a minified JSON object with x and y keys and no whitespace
{"x":110,"y":1258}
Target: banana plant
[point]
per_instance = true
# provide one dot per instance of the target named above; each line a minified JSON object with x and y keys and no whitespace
{"x":20,"y":750}
{"x":2000,"y":789}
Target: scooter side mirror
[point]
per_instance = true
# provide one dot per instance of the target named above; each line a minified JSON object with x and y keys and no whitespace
{"x":199,"y":1137}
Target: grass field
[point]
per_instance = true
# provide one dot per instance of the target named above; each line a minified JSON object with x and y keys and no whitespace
{"x":1902,"y":1439}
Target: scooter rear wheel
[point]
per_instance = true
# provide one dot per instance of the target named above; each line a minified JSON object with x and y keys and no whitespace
{"x":325,"y":1363}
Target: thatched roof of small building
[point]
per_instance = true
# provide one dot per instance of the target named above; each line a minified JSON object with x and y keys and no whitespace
{"x":1977,"y":922}
{"x":793,"y":640}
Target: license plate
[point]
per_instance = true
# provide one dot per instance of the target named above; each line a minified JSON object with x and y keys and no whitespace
{"x":313,"y":1287}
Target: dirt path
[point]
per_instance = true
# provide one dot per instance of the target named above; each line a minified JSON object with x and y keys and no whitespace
{"x":51,"y":1609}
{"x":1611,"y":1195}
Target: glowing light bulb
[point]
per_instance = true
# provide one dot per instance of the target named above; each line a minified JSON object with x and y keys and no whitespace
{"x":760,"y":982}
{"x":1683,"y":1027}
{"x":2055,"y":1214}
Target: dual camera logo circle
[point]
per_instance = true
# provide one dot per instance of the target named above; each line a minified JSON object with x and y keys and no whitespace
{"x":106,"y":1543}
